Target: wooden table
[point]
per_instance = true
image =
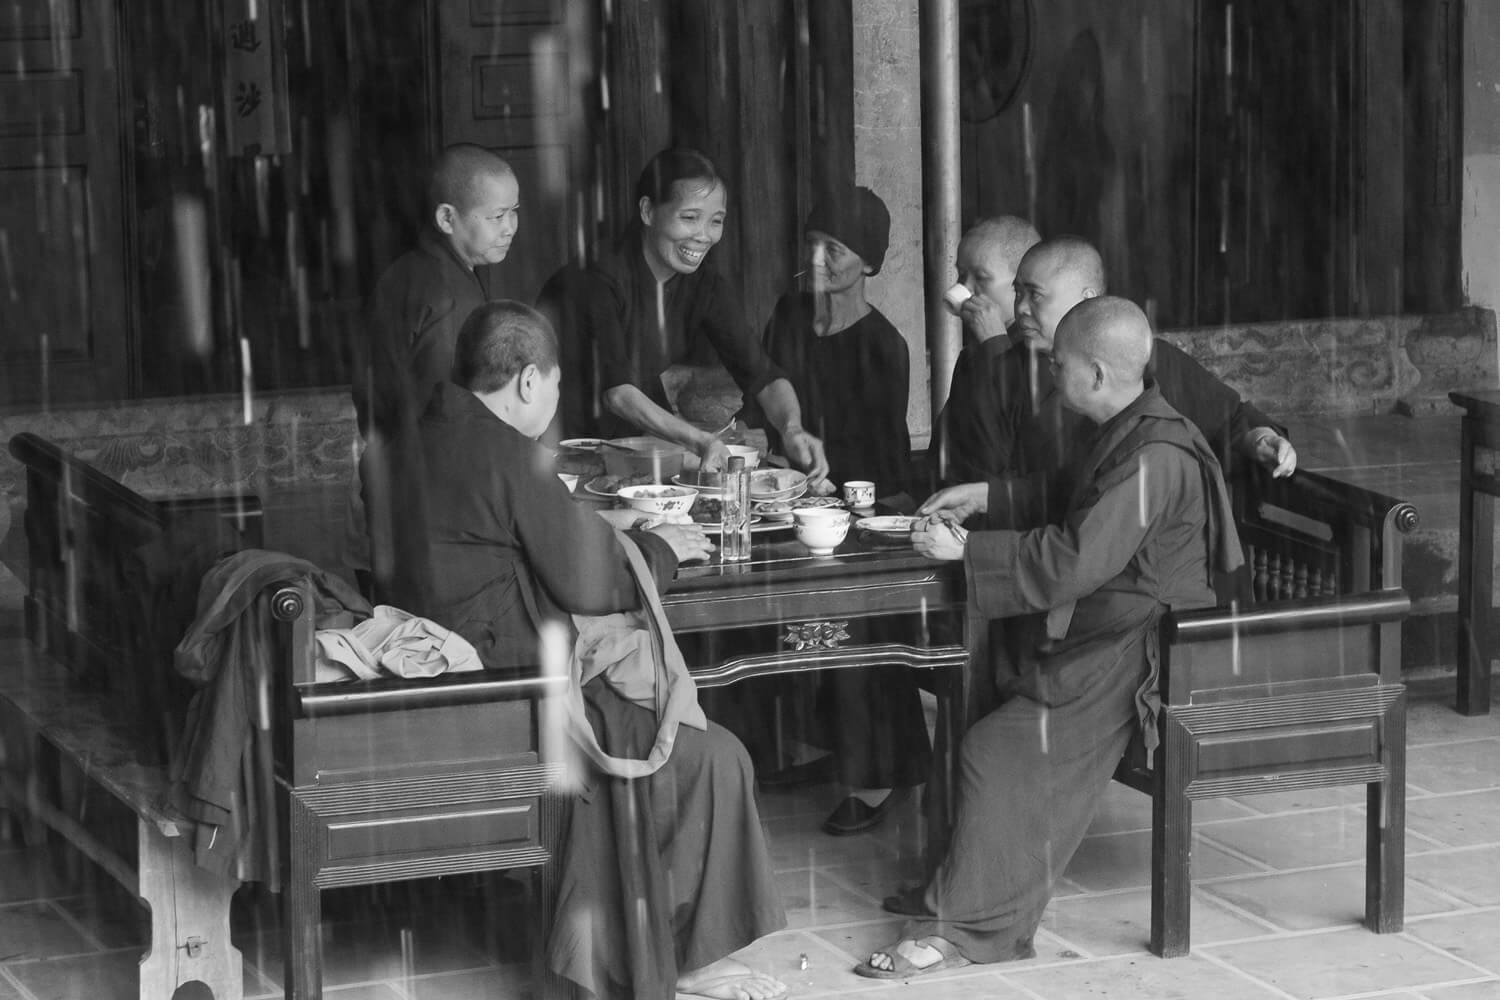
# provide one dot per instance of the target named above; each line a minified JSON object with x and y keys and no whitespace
{"x":1479,"y":485}
{"x":810,"y":601}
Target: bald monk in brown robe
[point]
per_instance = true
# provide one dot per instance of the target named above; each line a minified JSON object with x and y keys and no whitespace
{"x":1147,"y":521}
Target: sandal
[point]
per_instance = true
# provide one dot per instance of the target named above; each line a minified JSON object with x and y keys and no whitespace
{"x":902,"y":967}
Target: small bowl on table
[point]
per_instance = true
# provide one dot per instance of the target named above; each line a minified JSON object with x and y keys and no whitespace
{"x":821,"y":529}
{"x":749,"y":453}
{"x":660,"y":501}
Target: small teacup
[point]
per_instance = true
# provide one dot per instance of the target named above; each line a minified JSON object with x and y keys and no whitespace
{"x":859,"y":493}
{"x":956,"y":296}
{"x":821,"y":529}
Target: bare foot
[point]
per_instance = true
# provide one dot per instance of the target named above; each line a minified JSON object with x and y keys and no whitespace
{"x":727,"y":979}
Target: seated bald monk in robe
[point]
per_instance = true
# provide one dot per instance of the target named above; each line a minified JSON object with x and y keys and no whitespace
{"x":1037,"y":434}
{"x":664,"y":876}
{"x":1147,"y":522}
{"x":972,"y":438}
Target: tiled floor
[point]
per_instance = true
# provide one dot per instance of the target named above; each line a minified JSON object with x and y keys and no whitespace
{"x":1277,"y":906}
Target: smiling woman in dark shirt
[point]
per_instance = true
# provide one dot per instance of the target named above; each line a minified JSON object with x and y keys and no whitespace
{"x":651,"y":301}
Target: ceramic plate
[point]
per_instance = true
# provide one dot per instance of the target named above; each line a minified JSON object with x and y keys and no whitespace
{"x":609,"y":486}
{"x":893,"y":525}
{"x":582,"y":444}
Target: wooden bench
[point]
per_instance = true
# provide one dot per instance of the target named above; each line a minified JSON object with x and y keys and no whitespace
{"x":83,"y":737}
{"x":1299,"y":688}
{"x":457,"y":786}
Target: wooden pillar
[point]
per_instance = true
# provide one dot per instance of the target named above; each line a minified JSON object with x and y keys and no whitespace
{"x":941,"y":184}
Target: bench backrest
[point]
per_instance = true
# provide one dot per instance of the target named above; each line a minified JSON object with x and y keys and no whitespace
{"x":1322,"y":613}
{"x":112,"y":578}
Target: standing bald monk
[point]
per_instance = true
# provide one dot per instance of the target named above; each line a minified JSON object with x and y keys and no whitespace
{"x":972,"y":435}
{"x":1147,"y":520}
{"x":419,"y":304}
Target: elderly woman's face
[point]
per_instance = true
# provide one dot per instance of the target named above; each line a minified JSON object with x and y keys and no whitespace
{"x":680,"y":233}
{"x":832,"y":266}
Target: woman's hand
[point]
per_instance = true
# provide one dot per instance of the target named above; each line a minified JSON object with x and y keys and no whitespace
{"x":806,"y":453}
{"x":713,"y":455}
{"x":688,"y":541}
{"x":961,"y":502}
{"x":939,"y":537}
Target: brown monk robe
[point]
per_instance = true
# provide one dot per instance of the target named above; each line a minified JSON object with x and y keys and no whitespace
{"x":1148,"y":519}
{"x":664,"y":876}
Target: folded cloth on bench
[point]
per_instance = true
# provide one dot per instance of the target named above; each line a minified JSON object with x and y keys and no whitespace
{"x":229,"y":652}
{"x":392,"y":642}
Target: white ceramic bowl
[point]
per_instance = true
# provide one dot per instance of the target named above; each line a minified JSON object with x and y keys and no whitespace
{"x":750,"y":454}
{"x":821,"y":529}
{"x":665,"y":500}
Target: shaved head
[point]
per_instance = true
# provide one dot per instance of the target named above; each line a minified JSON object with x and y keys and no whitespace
{"x":1112,"y":331}
{"x":1002,"y":238}
{"x":1054,"y":276}
{"x":1069,"y":257}
{"x":456,"y":176}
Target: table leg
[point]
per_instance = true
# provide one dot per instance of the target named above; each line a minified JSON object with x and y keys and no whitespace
{"x":189,"y":920}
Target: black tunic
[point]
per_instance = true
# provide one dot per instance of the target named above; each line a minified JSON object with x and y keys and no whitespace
{"x":853,"y":387}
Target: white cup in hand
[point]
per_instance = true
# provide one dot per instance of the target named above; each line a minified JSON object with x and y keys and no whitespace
{"x":956,"y":296}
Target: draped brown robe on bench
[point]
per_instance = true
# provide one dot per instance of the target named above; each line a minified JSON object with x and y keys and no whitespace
{"x":508,"y":547}
{"x":1137,"y":536}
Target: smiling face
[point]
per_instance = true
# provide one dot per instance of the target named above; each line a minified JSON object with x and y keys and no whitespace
{"x":676,"y":235}
{"x":832,"y":266}
{"x":481,"y":231}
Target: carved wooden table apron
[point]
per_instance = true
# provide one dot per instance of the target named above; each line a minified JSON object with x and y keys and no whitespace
{"x":811,"y":601}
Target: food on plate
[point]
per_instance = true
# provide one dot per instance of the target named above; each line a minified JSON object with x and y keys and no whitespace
{"x":613,"y":484}
{"x":707,"y":510}
{"x":804,"y":503}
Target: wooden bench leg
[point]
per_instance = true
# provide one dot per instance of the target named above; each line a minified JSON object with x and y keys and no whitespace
{"x":189,"y":920}
{"x":302,"y":908}
{"x":1385,"y":831}
{"x":1171,"y":857}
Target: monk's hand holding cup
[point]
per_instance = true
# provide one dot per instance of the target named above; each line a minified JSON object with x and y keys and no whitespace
{"x":961,"y":502}
{"x":688,"y":542}
{"x":984,"y":317}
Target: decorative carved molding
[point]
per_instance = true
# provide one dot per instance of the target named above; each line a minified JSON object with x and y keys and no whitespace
{"x":815,"y":635}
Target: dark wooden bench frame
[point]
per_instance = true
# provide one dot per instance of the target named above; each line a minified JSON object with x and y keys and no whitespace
{"x":459,"y":785}
{"x":1299,"y":689}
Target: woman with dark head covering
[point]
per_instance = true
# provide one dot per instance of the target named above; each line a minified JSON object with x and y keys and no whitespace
{"x":649,"y":302}
{"x":848,"y":364}
{"x":850,"y":368}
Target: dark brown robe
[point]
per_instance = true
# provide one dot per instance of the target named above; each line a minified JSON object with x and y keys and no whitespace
{"x":1147,"y":521}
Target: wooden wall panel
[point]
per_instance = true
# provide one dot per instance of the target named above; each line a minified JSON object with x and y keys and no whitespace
{"x":67,"y":326}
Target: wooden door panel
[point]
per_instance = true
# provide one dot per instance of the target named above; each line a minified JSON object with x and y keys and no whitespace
{"x":505,"y":73}
{"x":64,"y":324}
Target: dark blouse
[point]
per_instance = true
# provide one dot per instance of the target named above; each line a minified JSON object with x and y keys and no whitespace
{"x":852,"y":386}
{"x":617,"y":325}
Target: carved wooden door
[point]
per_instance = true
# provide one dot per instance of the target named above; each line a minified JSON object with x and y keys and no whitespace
{"x":505,"y":80}
{"x":65,"y":322}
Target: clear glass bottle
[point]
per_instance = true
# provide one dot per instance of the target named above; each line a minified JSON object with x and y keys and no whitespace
{"x":734,"y":539}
